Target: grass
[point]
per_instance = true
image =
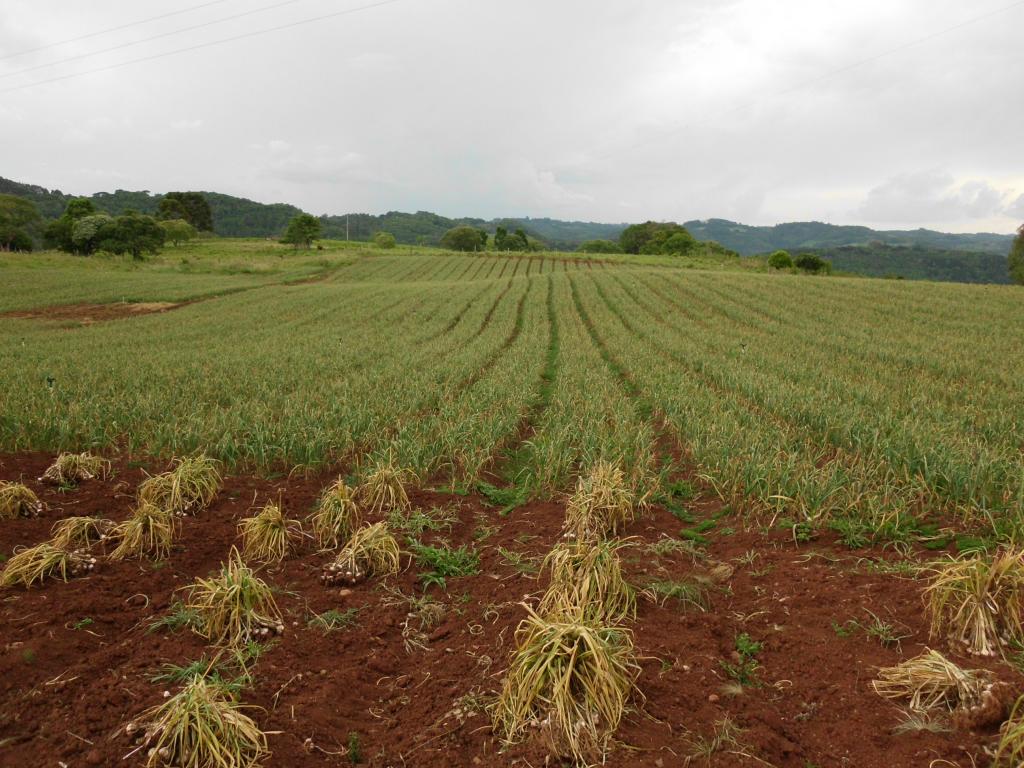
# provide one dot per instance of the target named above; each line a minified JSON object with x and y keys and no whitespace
{"x":18,"y":500}
{"x":201,"y":725}
{"x":44,"y":561}
{"x":178,"y":616}
{"x":744,"y":667}
{"x":69,"y":469}
{"x":586,"y":580}
{"x":334,"y":619}
{"x":149,"y":532}
{"x":691,"y":592}
{"x":931,"y":681}
{"x":423,"y":613}
{"x":80,"y":532}
{"x":234,"y":606}
{"x":601,"y":505}
{"x":336,"y":517}
{"x":268,"y":535}
{"x":372,"y":551}
{"x":978,"y":600}
{"x":442,"y":563}
{"x":186,"y":489}
{"x":415,"y":521}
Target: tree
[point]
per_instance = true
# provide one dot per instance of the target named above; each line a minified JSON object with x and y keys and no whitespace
{"x":384,"y":240}
{"x":178,"y":231}
{"x":171,"y":209}
{"x":463,"y":238}
{"x":59,"y":233}
{"x":812,"y":263}
{"x":599,"y":246}
{"x":19,"y":219}
{"x":193,"y":207}
{"x":1016,"y":259}
{"x":780,"y":260}
{"x":657,"y":237}
{"x":302,"y":230}
{"x":132,"y":233}
{"x":88,"y":231}
{"x":517,"y":241}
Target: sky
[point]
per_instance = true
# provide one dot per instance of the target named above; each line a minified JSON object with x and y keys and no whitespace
{"x":895,"y":114}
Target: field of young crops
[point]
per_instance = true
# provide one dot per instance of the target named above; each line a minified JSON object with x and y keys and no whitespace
{"x":861,"y":402}
{"x":363,"y":507}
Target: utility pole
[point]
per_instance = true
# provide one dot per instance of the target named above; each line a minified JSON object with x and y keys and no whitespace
{"x":346,"y":227}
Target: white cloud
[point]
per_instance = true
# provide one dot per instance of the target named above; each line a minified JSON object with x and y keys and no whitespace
{"x":932,"y":195}
{"x":690,"y":109}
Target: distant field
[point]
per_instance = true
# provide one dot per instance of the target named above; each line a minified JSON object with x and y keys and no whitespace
{"x":860,"y":402}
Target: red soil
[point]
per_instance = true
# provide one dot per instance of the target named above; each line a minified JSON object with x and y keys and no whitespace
{"x":67,"y":685}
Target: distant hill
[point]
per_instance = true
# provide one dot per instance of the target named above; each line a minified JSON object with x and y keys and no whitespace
{"x":913,"y":254}
{"x":232,"y":216}
{"x":801,"y":236}
{"x":917,"y":262}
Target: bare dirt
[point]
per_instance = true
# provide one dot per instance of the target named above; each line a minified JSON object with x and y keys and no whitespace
{"x":78,"y":658}
{"x":93,"y":313}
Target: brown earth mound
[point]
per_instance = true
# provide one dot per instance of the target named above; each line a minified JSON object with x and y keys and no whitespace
{"x":92,"y":313}
{"x":78,"y":659}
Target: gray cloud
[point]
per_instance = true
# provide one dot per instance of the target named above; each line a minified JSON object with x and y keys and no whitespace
{"x":590,"y":109}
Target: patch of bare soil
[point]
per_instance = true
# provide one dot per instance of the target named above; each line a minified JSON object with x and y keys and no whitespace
{"x":93,"y":313}
{"x":77,"y":659}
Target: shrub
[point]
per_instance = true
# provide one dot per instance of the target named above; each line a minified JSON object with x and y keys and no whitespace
{"x":813,"y":264}
{"x":780,"y":260}
{"x":599,"y":246}
{"x":464,"y":238}
{"x":384,"y":240}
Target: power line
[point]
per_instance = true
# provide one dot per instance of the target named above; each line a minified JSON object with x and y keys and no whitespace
{"x":171,"y":33}
{"x":112,"y":29}
{"x":826,"y":76}
{"x":210,"y":44}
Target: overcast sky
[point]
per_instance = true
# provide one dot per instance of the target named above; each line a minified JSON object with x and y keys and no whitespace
{"x":604,"y":110}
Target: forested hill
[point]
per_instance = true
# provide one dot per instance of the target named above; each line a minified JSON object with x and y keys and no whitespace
{"x":918,"y":262}
{"x":914,"y":254}
{"x":232,"y":216}
{"x":808,"y":235}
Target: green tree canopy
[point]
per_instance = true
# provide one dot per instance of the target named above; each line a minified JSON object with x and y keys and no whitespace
{"x":303,"y":229}
{"x":19,"y":220}
{"x":193,"y":207}
{"x":384,"y":240}
{"x":812,"y":263}
{"x":133,"y":233}
{"x":517,"y":241}
{"x":780,"y":260}
{"x":464,"y":238}
{"x":657,"y":237}
{"x":1016,"y":260}
{"x":178,"y":231}
{"x":599,"y":246}
{"x":88,"y":231}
